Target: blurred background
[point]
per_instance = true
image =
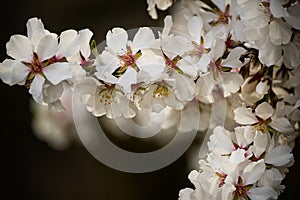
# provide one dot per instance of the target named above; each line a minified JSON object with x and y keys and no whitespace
{"x":31,"y":168}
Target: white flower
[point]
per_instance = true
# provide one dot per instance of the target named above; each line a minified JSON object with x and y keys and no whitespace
{"x":230,"y":82}
{"x":241,"y":185}
{"x":122,"y":60}
{"x":160,"y":4}
{"x":103,"y":99}
{"x":39,"y":61}
{"x":264,"y":115}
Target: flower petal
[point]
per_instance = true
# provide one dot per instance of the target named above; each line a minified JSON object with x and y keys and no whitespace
{"x":232,"y":59}
{"x":47,"y":47}
{"x":116,"y":40}
{"x":52,"y":93}
{"x":85,"y":36}
{"x":13,"y":72}
{"x":262,"y":193}
{"x":19,"y":48}
{"x":34,"y":25}
{"x":144,"y":38}
{"x":279,"y":156}
{"x":277,"y":9}
{"x":253,"y":172}
{"x":68,"y":44}
{"x":244,"y":116}
{"x":279,"y":32}
{"x":282,"y":125}
{"x":36,"y":88}
{"x":194,"y":27}
{"x":58,"y":72}
{"x":264,"y":110}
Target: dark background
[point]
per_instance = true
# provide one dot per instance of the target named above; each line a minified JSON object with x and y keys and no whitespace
{"x":29,"y":168}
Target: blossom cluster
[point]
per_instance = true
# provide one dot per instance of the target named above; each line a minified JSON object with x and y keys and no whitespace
{"x":243,"y":51}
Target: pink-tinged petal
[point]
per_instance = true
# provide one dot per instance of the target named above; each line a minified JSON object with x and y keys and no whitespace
{"x":244,"y":116}
{"x":264,"y":110}
{"x":143,"y":39}
{"x":253,"y":172}
{"x":58,"y":72}
{"x":34,"y":25}
{"x":279,"y":156}
{"x":19,"y":48}
{"x":262,"y":193}
{"x":116,"y":40}
{"x":47,"y":47}
{"x":36,"y":88}
{"x":13,"y":72}
{"x":85,"y":36}
{"x":68,"y":43}
{"x":194,"y":27}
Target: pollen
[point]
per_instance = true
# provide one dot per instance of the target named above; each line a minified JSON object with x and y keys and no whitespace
{"x":105,"y":96}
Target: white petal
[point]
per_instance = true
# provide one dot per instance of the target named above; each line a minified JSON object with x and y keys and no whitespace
{"x":85,"y":36}
{"x":126,"y":107}
{"x":262,"y":88}
{"x":167,"y":26}
{"x":19,"y":48}
{"x":282,"y":125}
{"x":52,"y":93}
{"x":143,"y":39}
{"x":185,"y":87}
{"x":194,"y":26}
{"x":116,"y":40}
{"x":277,"y":9}
{"x":36,"y":88}
{"x":231,"y":82}
{"x":233,"y":58}
{"x":279,"y":156}
{"x":163,"y":5}
{"x":264,"y":110}
{"x":262,"y":193}
{"x":294,"y":14}
{"x":244,"y":116}
{"x":174,"y":46}
{"x":13,"y":72}
{"x":269,"y":54}
{"x":151,"y":64}
{"x":34,"y":25}
{"x":68,"y":44}
{"x":127,"y":79}
{"x":47,"y":47}
{"x":237,"y":156}
{"x":253,"y":172}
{"x":58,"y":72}
{"x":279,"y":32}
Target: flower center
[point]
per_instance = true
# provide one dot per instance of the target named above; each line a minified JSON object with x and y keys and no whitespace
{"x":240,"y":191}
{"x":128,"y":59}
{"x":222,"y":178}
{"x":106,"y":95}
{"x":161,"y":92}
